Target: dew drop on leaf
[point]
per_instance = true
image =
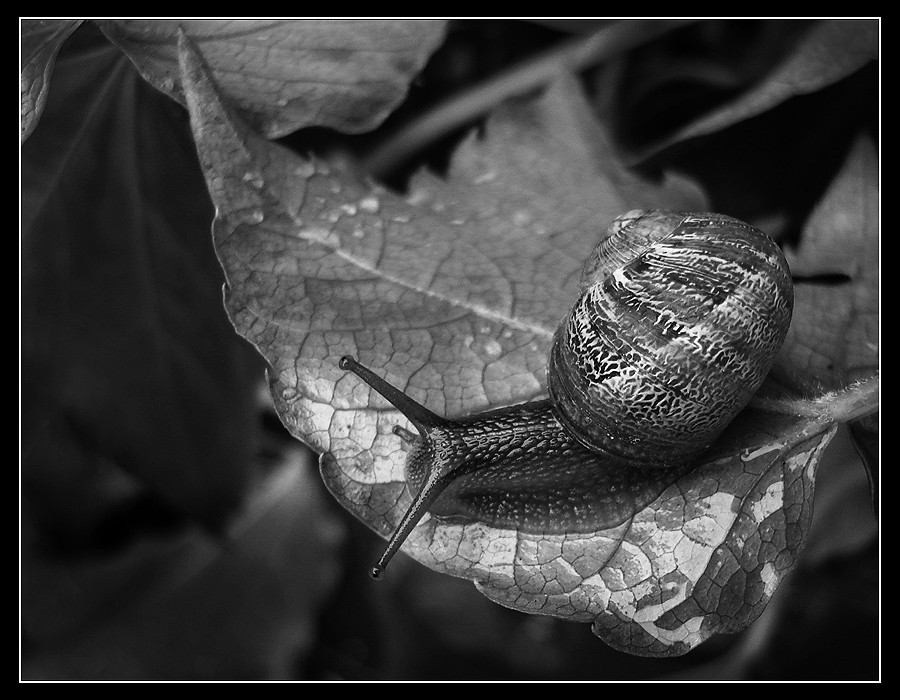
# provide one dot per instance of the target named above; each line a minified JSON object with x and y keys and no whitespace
{"x":485,"y":177}
{"x":370,"y":205}
{"x":417,"y":196}
{"x":289,"y":393}
{"x":255,"y":178}
{"x":305,"y":169}
{"x":521,"y":217}
{"x":493,"y":348}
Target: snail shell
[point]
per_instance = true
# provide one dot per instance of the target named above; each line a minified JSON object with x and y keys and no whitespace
{"x":678,"y":320}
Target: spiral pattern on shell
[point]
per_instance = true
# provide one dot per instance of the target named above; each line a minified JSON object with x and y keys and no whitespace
{"x":678,"y":323}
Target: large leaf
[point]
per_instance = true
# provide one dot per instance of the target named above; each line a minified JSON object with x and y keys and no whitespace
{"x":41,"y":40}
{"x":347,"y":74}
{"x":127,"y":362}
{"x":454,"y":293}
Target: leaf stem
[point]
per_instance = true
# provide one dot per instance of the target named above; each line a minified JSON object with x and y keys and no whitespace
{"x":463,"y":107}
{"x":840,"y":406}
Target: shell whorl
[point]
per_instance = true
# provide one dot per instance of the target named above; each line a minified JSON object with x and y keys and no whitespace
{"x":678,"y":322}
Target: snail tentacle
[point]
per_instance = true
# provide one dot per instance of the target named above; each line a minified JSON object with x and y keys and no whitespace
{"x":439,"y":476}
{"x":417,"y":414}
{"x":437,"y":456}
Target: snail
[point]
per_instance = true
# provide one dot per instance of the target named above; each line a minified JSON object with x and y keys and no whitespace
{"x":677,"y":323}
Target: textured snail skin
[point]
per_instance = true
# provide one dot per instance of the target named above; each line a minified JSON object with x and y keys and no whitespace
{"x":520,"y":468}
{"x":677,"y":323}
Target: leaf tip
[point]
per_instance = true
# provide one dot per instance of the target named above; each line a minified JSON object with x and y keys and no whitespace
{"x":188,"y":55}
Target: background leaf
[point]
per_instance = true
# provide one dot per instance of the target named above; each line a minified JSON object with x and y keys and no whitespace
{"x":41,"y":39}
{"x":285,"y":74}
{"x":187,"y":606}
{"x":835,"y":336}
{"x":826,"y":52}
{"x":127,"y":362}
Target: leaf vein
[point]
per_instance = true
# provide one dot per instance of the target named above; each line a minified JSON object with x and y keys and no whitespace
{"x":472,"y":307}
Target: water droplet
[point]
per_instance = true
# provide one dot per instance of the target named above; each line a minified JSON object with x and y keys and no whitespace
{"x":521,"y":217}
{"x":369,"y":204}
{"x":332,"y":216}
{"x":468,"y":340}
{"x":458,"y":222}
{"x":255,"y":178}
{"x":305,"y":169}
{"x":492,"y":348}
{"x":256,"y":216}
{"x":349,"y":209}
{"x":289,"y":393}
{"x":417,"y":196}
{"x":358,"y":233}
{"x":167,"y":84}
{"x":486,"y":177}
{"x":402,"y":218}
{"x":507,"y":333}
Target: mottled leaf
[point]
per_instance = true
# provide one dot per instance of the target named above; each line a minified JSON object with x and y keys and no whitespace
{"x":829,"y":51}
{"x":41,"y":39}
{"x":126,"y":358}
{"x":453,"y":293}
{"x":347,"y":74}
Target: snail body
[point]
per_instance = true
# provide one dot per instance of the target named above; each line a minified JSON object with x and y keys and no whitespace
{"x":677,"y":323}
